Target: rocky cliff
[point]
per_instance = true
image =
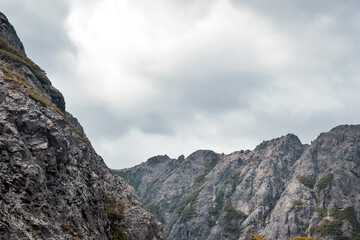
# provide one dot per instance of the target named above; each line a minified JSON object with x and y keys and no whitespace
{"x":280,"y":189}
{"x":53,"y":184}
{"x":8,"y":33}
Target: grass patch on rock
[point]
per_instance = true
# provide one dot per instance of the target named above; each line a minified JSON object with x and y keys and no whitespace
{"x":71,"y":230}
{"x":219,"y":205}
{"x":8,"y":51}
{"x":115,"y":214}
{"x":298,"y":204}
{"x":306,"y":181}
{"x":333,"y":228}
{"x":325,"y":181}
{"x":231,"y":219}
{"x":17,"y":81}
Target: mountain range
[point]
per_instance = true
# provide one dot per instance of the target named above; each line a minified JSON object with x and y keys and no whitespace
{"x":282,"y":188}
{"x":55,"y":186}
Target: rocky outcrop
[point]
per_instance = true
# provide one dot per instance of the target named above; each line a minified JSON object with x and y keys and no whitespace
{"x":53,"y":184}
{"x":282,"y":188}
{"x":8,"y":33}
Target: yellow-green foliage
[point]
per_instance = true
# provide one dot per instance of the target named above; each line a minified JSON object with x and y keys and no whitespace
{"x":322,"y":211}
{"x":333,"y":228}
{"x":305,"y":181}
{"x":71,"y":229}
{"x":115,"y":213}
{"x":119,"y":234}
{"x":325,"y":181}
{"x":18,"y":82}
{"x":298,"y":204}
{"x":231,"y":218}
{"x":7,"y":50}
{"x":256,"y":236}
{"x":188,"y":213}
{"x":191,"y":199}
{"x":201,"y":179}
{"x":219,"y":204}
{"x":328,"y":228}
{"x":302,"y":238}
{"x":261,"y":237}
{"x":236,"y":179}
{"x":232,"y":213}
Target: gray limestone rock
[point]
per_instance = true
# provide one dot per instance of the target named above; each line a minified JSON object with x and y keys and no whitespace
{"x":8,"y":33}
{"x":53,"y":184}
{"x":280,"y":189}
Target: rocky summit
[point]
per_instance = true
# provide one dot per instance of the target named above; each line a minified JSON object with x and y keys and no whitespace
{"x":53,"y":184}
{"x":282,"y":188}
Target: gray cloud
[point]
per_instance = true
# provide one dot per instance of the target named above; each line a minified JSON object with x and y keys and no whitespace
{"x":219,"y":91}
{"x":40,"y":26}
{"x":181,"y":76}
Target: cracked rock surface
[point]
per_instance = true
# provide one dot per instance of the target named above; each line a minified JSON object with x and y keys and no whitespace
{"x":53,"y":184}
{"x":280,"y":189}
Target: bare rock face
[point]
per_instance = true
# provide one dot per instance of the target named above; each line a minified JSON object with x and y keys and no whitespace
{"x":282,"y":188}
{"x":53,"y":184}
{"x":8,"y":33}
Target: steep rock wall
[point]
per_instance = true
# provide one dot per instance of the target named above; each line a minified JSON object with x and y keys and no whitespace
{"x":53,"y":184}
{"x":282,"y":188}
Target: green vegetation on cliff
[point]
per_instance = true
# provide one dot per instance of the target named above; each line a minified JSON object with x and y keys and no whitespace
{"x":305,"y":181}
{"x":333,"y":227}
{"x":325,"y":181}
{"x":115,"y":213}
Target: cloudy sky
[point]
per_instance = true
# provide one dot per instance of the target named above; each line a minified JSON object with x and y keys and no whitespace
{"x":172,"y":76}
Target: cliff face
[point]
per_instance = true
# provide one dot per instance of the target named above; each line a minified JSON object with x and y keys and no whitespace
{"x":8,"y":33}
{"x":53,"y":184}
{"x":280,"y":189}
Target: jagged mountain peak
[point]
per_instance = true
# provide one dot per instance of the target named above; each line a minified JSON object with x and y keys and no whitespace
{"x":349,"y":128}
{"x":201,"y":155}
{"x":8,"y":33}
{"x":17,"y":66}
{"x":280,"y":189}
{"x":287,"y":140}
{"x":157,"y":159}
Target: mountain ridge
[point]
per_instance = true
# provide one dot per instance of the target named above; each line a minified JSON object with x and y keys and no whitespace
{"x":8,"y":33}
{"x":53,"y":184}
{"x":280,"y":189}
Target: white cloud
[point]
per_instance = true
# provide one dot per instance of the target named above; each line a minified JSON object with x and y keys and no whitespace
{"x":173,"y":76}
{"x":183,"y":75}
{"x":123,"y":45}
{"x":220,"y":135}
{"x":153,"y":63}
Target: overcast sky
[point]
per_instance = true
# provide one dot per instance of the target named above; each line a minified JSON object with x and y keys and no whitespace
{"x":173,"y":76}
